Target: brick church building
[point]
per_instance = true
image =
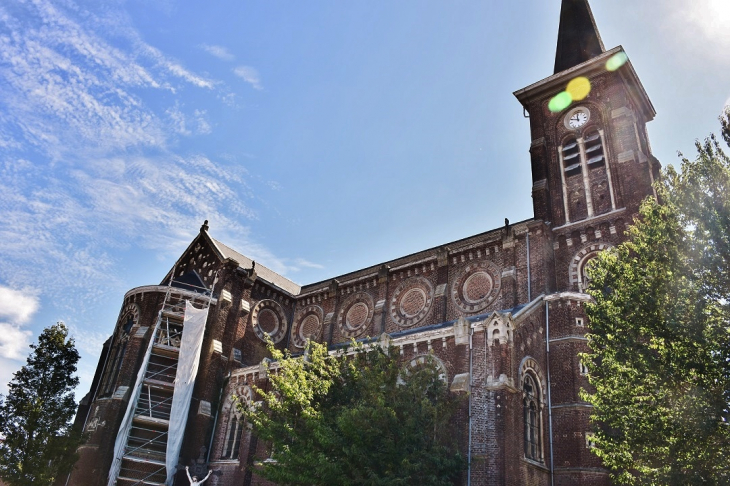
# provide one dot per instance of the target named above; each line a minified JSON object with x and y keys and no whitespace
{"x":502,"y":312}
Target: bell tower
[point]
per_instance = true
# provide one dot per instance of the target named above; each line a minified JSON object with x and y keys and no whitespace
{"x":590,"y":154}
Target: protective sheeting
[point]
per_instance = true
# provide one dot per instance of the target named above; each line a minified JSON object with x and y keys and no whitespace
{"x":126,"y":425}
{"x":187,"y":369}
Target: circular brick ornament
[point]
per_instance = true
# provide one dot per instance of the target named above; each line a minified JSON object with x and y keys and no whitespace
{"x":355,"y":315}
{"x":307,"y":325}
{"x":411,"y":301}
{"x":267,"y":317}
{"x":476,"y":286}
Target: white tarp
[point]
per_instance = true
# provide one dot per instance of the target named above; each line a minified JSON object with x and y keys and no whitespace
{"x":187,"y":368}
{"x":126,"y":424}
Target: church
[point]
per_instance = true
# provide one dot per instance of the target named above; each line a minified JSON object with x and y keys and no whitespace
{"x":501,"y":312}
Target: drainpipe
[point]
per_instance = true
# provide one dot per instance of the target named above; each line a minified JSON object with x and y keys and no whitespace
{"x":550,"y":404}
{"x":471,"y":387}
{"x":217,"y":411}
{"x":529,"y":280}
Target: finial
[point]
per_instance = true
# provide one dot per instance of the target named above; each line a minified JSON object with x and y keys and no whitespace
{"x":205,"y":226}
{"x":506,"y":222}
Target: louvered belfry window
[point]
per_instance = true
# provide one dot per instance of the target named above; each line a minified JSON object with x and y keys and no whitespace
{"x":594,"y":150}
{"x":571,"y":158}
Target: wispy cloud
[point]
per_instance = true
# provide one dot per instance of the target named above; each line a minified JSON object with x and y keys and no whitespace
{"x":250,"y":75}
{"x":59,"y":71}
{"x":91,"y":124}
{"x":218,"y":51}
{"x":88,"y":164}
{"x":301,"y":262}
{"x":17,"y":307}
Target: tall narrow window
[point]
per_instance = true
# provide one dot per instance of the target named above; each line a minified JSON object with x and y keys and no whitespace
{"x":116,"y":354}
{"x":233,"y":438}
{"x":531,"y":395}
{"x":571,"y":158}
{"x":594,"y":150}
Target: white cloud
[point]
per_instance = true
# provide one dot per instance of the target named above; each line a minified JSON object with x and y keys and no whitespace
{"x":17,"y":308}
{"x":218,"y":51}
{"x":250,"y":75}
{"x":14,"y":341}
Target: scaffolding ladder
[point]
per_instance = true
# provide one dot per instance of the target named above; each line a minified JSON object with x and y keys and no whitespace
{"x":143,"y":457}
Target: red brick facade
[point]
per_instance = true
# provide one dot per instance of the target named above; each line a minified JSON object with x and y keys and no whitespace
{"x":501,"y":310}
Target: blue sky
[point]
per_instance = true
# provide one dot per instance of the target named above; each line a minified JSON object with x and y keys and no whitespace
{"x":317,"y":137}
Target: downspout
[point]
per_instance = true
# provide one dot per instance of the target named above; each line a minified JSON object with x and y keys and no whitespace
{"x":529,"y":280}
{"x":217,"y":411}
{"x":471,"y":386}
{"x":550,"y":404}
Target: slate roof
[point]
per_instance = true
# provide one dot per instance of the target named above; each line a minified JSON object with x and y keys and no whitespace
{"x":263,"y":272}
{"x":578,"y":37}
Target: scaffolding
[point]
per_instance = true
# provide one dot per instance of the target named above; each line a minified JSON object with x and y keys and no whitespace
{"x":142,"y":459}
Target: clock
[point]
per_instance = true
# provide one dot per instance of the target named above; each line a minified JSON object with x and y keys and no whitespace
{"x":577,"y":117}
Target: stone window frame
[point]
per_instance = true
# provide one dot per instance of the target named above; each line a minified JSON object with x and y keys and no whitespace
{"x":118,"y":351}
{"x":533,"y":410}
{"x":581,"y":166}
{"x":579,"y":261}
{"x":582,"y":368}
{"x":229,"y":443}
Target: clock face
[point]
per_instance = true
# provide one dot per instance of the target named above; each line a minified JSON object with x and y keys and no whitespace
{"x":577,"y":118}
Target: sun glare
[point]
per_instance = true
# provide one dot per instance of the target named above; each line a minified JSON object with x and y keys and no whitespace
{"x":711,"y":17}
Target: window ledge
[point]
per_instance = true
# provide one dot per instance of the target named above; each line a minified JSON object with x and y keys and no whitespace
{"x":537,"y":464}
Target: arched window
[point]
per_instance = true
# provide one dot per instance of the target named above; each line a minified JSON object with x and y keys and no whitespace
{"x":116,"y":356}
{"x":533,"y":422}
{"x":584,"y":279}
{"x":234,"y":429}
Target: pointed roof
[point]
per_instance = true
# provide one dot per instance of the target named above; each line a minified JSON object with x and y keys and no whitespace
{"x":263,"y":272}
{"x":578,"y":37}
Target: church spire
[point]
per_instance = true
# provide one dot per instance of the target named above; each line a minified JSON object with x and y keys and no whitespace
{"x":578,"y":37}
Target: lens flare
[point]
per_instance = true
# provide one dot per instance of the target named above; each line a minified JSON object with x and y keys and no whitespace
{"x":578,"y":88}
{"x":560,"y":102}
{"x":616,"y":61}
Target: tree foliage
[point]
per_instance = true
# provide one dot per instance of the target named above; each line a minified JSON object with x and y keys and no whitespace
{"x":38,"y":443}
{"x":356,"y":419}
{"x":660,"y":332}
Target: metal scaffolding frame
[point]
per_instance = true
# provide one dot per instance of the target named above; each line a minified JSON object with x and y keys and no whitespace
{"x":143,"y":458}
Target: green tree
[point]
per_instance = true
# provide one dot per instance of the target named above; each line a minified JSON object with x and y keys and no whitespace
{"x":357,"y":419}
{"x":660,"y":332}
{"x":38,"y":444}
